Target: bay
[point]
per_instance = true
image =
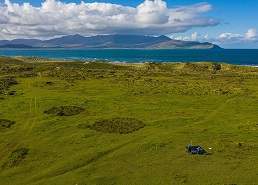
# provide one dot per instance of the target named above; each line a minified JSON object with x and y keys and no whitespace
{"x":232,"y":56}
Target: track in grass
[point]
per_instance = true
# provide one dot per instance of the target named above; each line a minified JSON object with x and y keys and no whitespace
{"x":23,"y":134}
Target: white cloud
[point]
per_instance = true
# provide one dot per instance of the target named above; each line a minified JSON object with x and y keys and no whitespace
{"x":230,"y":36}
{"x":152,"y":12}
{"x":194,"y":36}
{"x":236,"y":40}
{"x":227,"y":40}
{"x":55,"y":18}
{"x":251,"y":34}
{"x":206,"y":37}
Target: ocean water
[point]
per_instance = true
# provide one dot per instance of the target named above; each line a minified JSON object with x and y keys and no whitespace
{"x":232,"y":56}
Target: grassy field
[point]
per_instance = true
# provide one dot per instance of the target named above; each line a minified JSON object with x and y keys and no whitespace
{"x":57,"y":123}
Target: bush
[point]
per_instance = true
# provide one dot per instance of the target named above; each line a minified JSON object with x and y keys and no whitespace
{"x":6,"y":83}
{"x":64,"y":110}
{"x":216,"y":66}
{"x":17,"y":156}
{"x":4,"y":123}
{"x":118,"y":125}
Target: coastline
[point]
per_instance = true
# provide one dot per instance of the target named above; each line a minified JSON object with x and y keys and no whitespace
{"x":152,"y":65}
{"x":246,"y":57}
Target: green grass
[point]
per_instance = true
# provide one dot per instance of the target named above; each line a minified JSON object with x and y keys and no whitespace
{"x":209,"y":104}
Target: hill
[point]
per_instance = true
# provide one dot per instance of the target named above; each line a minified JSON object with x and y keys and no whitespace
{"x":113,"y":41}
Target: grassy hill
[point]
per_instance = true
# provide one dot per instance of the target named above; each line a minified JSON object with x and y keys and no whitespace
{"x":101,"y":123}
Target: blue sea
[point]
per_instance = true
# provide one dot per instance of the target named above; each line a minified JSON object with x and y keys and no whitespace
{"x":232,"y":56}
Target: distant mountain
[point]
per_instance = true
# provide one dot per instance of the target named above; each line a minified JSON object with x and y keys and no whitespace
{"x":15,"y":46}
{"x":111,"y":41}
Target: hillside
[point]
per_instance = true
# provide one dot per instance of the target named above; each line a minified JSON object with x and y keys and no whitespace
{"x":112,"y":41}
{"x":102,"y":123}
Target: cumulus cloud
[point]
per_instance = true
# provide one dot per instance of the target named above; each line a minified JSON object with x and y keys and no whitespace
{"x":227,"y":40}
{"x":206,"y":37}
{"x":56,"y":18}
{"x":151,"y":12}
{"x":230,"y":36}
{"x":251,"y":35}
{"x":193,"y":37}
{"x":237,"y":40}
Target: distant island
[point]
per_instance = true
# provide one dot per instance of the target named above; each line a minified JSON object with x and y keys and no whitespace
{"x":108,"y":41}
{"x":15,"y":46}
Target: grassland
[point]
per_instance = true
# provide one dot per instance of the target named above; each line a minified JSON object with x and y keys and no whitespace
{"x":49,"y":110}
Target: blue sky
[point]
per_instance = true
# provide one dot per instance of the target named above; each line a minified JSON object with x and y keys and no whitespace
{"x":228,"y":23}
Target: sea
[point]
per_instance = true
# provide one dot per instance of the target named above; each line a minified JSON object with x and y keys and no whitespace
{"x":244,"y":57}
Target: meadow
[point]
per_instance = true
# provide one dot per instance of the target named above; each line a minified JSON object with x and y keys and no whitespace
{"x":69,"y":122}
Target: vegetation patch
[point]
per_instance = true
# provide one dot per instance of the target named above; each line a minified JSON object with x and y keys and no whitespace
{"x":37,"y":59}
{"x":6,"y":83}
{"x":118,"y":125}
{"x":16,"y":157}
{"x":4,"y":123}
{"x":64,"y":110}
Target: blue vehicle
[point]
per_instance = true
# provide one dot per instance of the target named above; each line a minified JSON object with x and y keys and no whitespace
{"x":195,"y":150}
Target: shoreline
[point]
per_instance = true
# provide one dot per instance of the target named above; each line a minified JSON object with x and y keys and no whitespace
{"x":238,"y":57}
{"x":49,"y":60}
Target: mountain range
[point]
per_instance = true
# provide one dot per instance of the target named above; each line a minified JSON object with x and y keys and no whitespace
{"x":108,"y":41}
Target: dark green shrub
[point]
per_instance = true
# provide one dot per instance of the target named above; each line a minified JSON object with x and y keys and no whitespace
{"x":11,"y":93}
{"x":118,"y":125}
{"x":17,"y":156}
{"x":4,"y":123}
{"x":64,"y":110}
{"x":49,"y":83}
{"x":6,"y":83}
{"x":216,"y":66}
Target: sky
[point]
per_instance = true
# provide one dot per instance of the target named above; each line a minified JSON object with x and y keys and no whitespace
{"x":228,"y":23}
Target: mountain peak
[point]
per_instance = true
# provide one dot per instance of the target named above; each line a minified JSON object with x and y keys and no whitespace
{"x":77,"y":35}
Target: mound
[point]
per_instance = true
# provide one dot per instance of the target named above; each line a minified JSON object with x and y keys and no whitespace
{"x":64,"y":110}
{"x":4,"y":123}
{"x":118,"y":125}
